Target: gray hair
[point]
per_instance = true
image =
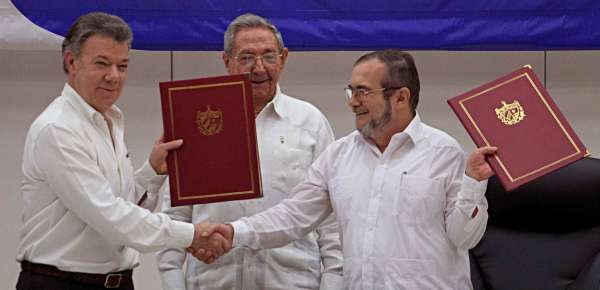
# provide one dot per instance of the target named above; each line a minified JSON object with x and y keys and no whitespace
{"x":246,"y":21}
{"x":401,"y":72}
{"x":91,"y":24}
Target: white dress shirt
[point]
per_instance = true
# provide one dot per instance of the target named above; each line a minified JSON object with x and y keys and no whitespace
{"x":80,"y":193}
{"x":405,"y":219}
{"x":291,"y":134}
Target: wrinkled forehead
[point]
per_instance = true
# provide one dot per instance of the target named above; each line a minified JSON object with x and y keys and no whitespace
{"x":368,"y":74}
{"x":255,"y":40}
{"x":105,"y":47}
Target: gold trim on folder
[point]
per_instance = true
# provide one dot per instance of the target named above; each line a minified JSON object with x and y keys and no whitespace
{"x":176,"y":158}
{"x":577,"y":149}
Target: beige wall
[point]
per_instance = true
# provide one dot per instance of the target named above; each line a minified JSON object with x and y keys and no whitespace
{"x":30,"y":80}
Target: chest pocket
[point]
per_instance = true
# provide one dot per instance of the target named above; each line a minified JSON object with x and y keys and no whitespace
{"x":290,"y":168}
{"x":419,"y":201}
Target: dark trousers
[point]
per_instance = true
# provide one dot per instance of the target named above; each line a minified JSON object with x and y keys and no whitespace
{"x":33,"y":281}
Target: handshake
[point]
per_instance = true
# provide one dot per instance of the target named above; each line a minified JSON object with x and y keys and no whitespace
{"x":211,"y":240}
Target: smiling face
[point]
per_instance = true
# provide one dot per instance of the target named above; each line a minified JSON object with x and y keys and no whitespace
{"x":373,"y":112}
{"x":264,"y":76}
{"x":99,"y":72}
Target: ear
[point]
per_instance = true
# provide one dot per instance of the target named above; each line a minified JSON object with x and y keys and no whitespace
{"x":226,"y":60}
{"x":284,"y":55}
{"x":402,"y":96}
{"x":69,"y":60}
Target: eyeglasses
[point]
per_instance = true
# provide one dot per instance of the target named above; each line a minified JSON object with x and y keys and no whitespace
{"x":248,"y":59}
{"x":361,"y":93}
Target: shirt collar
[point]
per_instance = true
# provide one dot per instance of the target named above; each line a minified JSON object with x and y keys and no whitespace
{"x":414,"y":130}
{"x":88,"y":111}
{"x":278,"y":103}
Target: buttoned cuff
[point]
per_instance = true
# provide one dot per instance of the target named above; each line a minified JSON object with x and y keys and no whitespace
{"x":183,"y":234}
{"x":241,"y":232}
{"x":147,"y":172}
{"x":473,"y":189}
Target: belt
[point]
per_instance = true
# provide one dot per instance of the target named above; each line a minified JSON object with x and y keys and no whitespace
{"x":110,"y":280}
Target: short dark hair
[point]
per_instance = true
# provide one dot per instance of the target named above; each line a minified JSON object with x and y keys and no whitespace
{"x":92,"y":24}
{"x":401,"y":72}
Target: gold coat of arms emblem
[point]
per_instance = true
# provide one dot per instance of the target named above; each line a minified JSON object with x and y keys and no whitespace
{"x":210,"y":122}
{"x":510,"y":114}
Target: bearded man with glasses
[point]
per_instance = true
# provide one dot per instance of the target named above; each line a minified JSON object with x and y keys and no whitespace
{"x":408,"y":201}
{"x":291,"y":134}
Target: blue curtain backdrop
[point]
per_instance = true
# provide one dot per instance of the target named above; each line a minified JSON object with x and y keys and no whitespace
{"x":314,"y":25}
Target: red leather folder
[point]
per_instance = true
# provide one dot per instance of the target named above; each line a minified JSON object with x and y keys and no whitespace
{"x":218,"y":160}
{"x":516,"y":114}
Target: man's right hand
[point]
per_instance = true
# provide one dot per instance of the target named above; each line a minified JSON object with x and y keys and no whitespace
{"x":211,"y":240}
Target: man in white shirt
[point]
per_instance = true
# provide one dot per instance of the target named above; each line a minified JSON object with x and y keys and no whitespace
{"x":82,"y":226}
{"x":291,"y":134}
{"x":408,"y":202}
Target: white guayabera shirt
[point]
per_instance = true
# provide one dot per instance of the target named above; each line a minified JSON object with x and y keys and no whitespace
{"x":80,"y":193}
{"x":405,"y":214}
{"x":291,"y":134}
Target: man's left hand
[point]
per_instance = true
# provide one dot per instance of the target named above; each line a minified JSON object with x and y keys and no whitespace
{"x":158,"y":156}
{"x":477,"y":167}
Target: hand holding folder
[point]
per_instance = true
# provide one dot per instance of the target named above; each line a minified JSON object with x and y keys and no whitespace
{"x":516,"y":114}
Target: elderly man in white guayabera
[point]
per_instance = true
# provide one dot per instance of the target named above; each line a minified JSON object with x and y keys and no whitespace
{"x":291,"y":134}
